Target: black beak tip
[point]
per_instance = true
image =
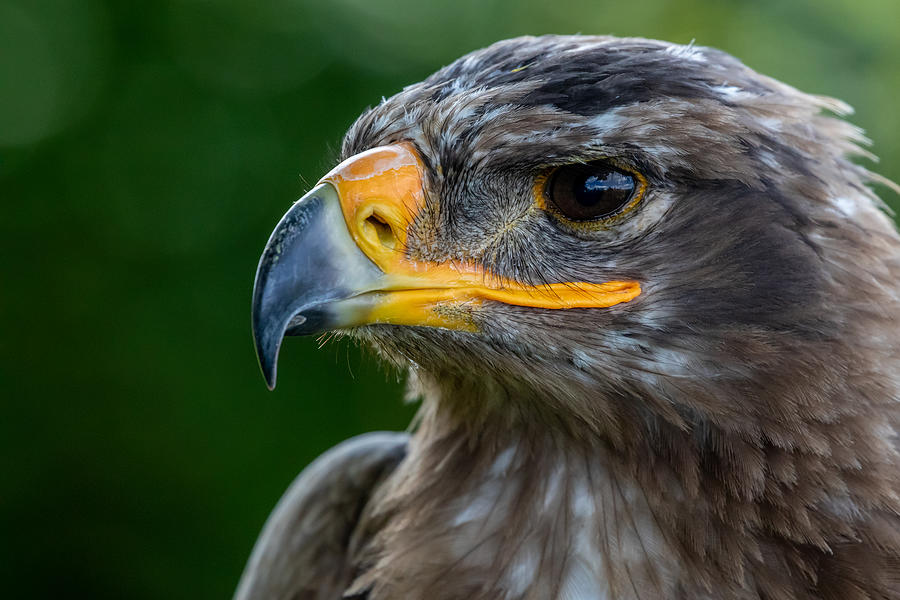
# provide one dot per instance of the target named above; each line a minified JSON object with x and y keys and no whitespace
{"x":270,"y":378}
{"x":267,"y":315}
{"x":267,"y":335}
{"x":267,"y":348}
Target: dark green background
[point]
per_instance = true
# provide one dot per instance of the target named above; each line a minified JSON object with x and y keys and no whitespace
{"x":146,"y":151}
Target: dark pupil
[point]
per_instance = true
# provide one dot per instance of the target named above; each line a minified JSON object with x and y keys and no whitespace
{"x":591,"y":191}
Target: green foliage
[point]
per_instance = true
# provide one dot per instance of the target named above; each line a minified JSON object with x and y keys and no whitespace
{"x":146,"y":151}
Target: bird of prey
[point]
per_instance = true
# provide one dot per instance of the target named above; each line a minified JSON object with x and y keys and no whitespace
{"x":652,"y":311}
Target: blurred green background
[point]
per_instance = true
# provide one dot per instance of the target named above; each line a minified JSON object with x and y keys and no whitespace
{"x":147,"y":148}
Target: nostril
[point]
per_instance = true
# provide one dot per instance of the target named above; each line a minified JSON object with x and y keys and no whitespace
{"x":382,"y":230}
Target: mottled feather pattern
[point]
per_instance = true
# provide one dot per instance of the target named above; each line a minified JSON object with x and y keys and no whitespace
{"x":732,"y":432}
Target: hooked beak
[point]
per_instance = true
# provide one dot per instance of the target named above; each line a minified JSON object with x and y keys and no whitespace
{"x":338,"y":259}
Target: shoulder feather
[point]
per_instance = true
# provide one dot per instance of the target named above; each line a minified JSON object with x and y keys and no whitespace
{"x":302,"y":552}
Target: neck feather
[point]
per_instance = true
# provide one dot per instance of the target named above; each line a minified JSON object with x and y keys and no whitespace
{"x":555,"y":509}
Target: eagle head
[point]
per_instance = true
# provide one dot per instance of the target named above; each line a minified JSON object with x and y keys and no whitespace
{"x":600,"y":226}
{"x":645,"y":250}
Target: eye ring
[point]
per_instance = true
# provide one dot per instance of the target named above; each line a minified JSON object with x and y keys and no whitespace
{"x":593,"y":194}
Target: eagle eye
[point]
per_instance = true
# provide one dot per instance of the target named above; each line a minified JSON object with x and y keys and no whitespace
{"x":593,"y":191}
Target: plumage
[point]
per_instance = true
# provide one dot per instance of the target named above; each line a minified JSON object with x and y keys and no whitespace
{"x":306,"y":548}
{"x":730,"y":432}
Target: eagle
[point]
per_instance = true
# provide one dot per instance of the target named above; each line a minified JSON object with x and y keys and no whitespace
{"x":651,"y":308}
